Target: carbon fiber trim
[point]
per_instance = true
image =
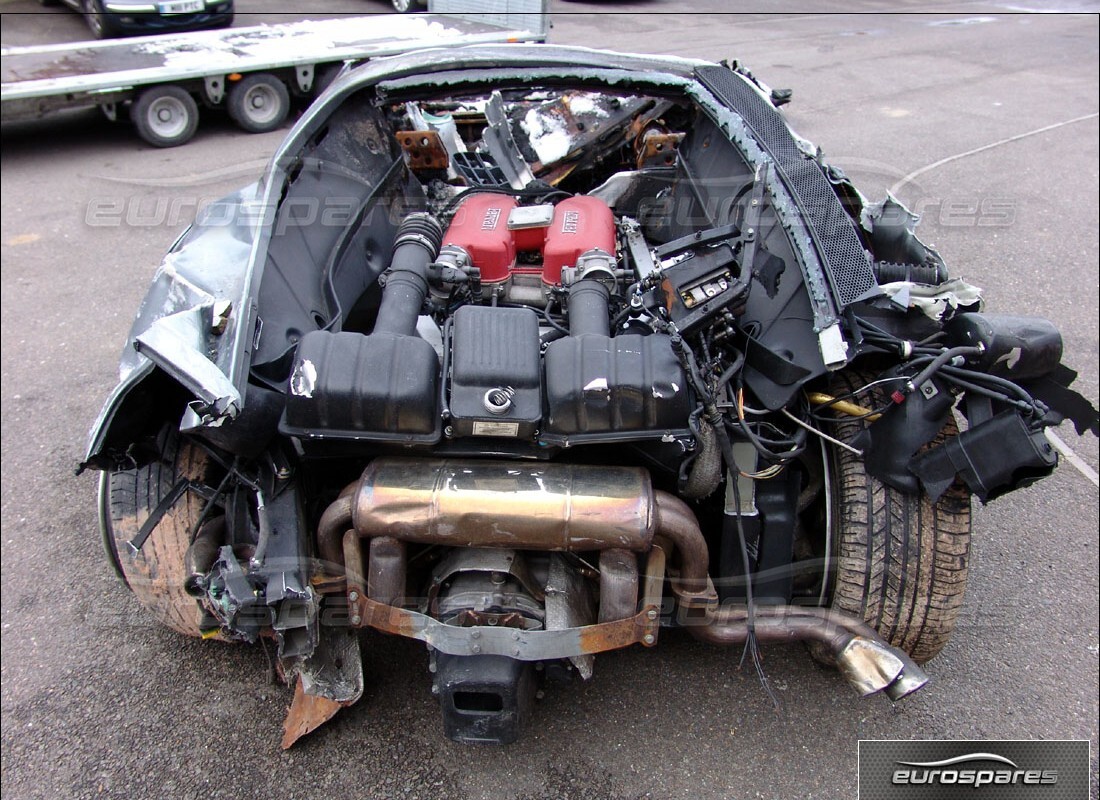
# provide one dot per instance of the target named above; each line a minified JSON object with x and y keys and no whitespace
{"x":847,"y":263}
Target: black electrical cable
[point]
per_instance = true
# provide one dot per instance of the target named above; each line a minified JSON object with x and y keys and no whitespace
{"x":752,"y":648}
{"x":996,"y":380}
{"x":942,"y":359}
{"x":1030,"y":406}
{"x":551,"y":322}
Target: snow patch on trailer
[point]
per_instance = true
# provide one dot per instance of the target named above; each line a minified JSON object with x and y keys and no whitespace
{"x":271,"y":41}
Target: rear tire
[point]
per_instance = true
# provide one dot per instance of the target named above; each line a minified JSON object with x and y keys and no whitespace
{"x":901,"y":560}
{"x":258,"y":103}
{"x":165,"y":116}
{"x":156,"y":573}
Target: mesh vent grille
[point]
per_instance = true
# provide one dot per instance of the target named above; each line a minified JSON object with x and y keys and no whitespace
{"x":846,"y":262}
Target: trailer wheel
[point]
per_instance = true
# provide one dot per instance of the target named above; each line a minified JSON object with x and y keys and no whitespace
{"x":258,"y":103}
{"x":155,"y":573}
{"x":901,"y":560}
{"x":165,"y":116}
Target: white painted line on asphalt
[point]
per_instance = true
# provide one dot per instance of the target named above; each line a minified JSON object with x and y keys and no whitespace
{"x":894,"y":189}
{"x":1073,"y":458}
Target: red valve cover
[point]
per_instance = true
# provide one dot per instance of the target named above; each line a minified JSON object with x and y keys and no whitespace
{"x":580,"y":224}
{"x":480,"y":227}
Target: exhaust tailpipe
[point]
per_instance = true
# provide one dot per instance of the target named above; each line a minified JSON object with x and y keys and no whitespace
{"x":866,"y":661}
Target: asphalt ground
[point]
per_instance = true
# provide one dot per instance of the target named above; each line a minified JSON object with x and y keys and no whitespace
{"x":97,"y":701}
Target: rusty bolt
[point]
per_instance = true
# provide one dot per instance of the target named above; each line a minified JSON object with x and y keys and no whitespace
{"x":353,"y":597}
{"x":356,"y":620}
{"x":651,"y":614}
{"x":649,"y":638}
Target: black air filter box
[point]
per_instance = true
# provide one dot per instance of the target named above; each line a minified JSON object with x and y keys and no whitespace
{"x":600,"y":388}
{"x":382,"y":387}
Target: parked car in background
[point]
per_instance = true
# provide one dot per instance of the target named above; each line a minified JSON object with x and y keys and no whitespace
{"x":110,"y":18}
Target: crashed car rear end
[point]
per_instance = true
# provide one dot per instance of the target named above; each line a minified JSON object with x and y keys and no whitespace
{"x":530,"y":352}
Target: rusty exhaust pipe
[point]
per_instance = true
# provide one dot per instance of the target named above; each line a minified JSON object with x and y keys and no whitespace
{"x":868,"y":662}
{"x":554,"y":507}
{"x":466,"y":503}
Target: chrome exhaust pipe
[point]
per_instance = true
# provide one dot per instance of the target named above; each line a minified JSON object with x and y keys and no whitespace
{"x":910,"y":680}
{"x":556,"y":507}
{"x":865,"y":660}
{"x":869,"y":665}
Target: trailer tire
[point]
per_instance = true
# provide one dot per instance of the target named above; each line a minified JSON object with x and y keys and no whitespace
{"x":258,"y":103}
{"x":155,"y":573}
{"x":165,"y":116}
{"x":901,"y":560}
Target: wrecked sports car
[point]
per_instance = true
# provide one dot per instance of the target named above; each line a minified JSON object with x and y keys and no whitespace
{"x":529,"y":352}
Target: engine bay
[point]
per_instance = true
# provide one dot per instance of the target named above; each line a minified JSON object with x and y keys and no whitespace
{"x":554,"y":320}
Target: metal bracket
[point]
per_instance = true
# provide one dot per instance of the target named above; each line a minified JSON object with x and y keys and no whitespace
{"x":425,"y":149}
{"x":215,"y":88}
{"x":502,"y":146}
{"x":511,"y":642}
{"x":303,"y":73}
{"x":639,"y":250}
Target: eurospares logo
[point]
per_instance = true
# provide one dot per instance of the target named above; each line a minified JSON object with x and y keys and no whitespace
{"x":950,"y":772}
{"x":989,"y":770}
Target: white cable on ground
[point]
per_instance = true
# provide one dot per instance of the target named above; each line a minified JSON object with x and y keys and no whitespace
{"x":894,"y":189}
{"x":1073,"y":458}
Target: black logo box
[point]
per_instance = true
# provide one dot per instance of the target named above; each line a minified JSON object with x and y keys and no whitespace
{"x":922,"y":769}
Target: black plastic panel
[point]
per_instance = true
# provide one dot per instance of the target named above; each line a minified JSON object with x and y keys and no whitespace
{"x":382,"y":387}
{"x":495,"y":350}
{"x":602,"y":388}
{"x":847,"y":263}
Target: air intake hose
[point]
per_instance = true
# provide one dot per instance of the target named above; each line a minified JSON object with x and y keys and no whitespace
{"x":588,"y":300}
{"x":415,"y":247}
